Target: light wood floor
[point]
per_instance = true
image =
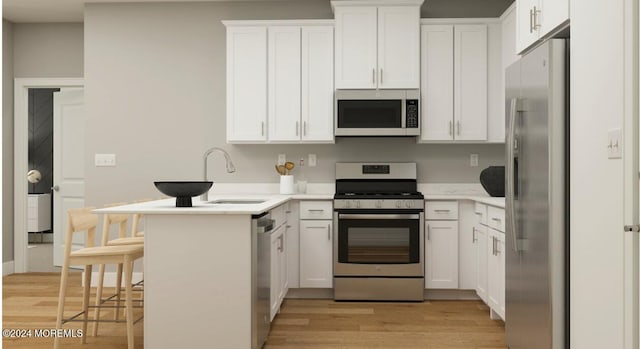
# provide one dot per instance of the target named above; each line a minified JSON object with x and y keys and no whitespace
{"x":30,"y":301}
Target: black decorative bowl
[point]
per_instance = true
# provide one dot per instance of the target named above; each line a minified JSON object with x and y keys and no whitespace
{"x":492,"y":180}
{"x":183,"y":190}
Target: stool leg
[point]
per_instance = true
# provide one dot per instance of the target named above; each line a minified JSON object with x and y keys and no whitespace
{"x":85,"y":301}
{"x":128,"y":276}
{"x":118,"y":289}
{"x":96,"y":315}
{"x":63,"y":289}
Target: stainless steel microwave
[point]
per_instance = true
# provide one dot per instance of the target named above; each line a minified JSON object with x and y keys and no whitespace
{"x":377,"y":113}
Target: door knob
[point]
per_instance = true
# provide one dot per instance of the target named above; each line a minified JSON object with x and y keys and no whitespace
{"x":55,"y":188}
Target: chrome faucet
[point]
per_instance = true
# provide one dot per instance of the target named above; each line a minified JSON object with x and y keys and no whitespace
{"x":230,"y":167}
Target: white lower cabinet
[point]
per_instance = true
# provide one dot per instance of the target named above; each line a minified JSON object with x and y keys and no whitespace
{"x":316,"y":253}
{"x":279,"y":277}
{"x":482,"y":253}
{"x":441,"y":249}
{"x":496,"y":271}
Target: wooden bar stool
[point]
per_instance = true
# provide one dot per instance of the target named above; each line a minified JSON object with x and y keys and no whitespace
{"x":109,"y":220}
{"x":81,"y":220}
{"x":136,"y":221}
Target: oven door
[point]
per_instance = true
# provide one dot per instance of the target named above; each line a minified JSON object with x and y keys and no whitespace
{"x":379,"y":243}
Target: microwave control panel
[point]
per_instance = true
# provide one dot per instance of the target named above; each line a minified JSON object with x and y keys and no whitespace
{"x":412,"y":113}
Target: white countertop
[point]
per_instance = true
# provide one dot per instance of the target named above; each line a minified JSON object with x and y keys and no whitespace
{"x":489,"y":200}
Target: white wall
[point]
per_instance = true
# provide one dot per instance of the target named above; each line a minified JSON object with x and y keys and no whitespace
{"x":155,"y":93}
{"x":7,"y":141}
{"x":596,"y":182}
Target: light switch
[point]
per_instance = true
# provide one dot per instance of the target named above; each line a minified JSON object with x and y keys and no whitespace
{"x":614,"y":144}
{"x":312,"y":160}
{"x":282,"y":158}
{"x":105,"y":160}
{"x":473,"y":160}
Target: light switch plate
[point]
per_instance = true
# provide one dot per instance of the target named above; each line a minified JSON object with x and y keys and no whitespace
{"x":282,"y":158}
{"x":473,"y":160}
{"x":105,"y":160}
{"x":614,"y":144}
{"x":313,"y":160}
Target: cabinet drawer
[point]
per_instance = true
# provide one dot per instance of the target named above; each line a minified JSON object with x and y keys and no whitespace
{"x":481,"y":212}
{"x":441,"y":210}
{"x":316,"y":209}
{"x":495,"y":217}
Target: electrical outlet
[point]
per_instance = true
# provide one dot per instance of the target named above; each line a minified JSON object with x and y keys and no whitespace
{"x":614,"y":144}
{"x":473,"y":160}
{"x":282,"y":158}
{"x":312,"y":160}
{"x":105,"y":160}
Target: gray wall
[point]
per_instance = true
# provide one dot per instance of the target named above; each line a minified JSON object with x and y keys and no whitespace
{"x":155,"y":76}
{"x":48,"y":50}
{"x":7,"y":141}
{"x":31,"y":51}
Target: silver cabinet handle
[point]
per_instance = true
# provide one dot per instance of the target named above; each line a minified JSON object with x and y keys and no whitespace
{"x":304,"y":128}
{"x":329,"y":232}
{"x":442,"y":210}
{"x":496,"y":219}
{"x":262,"y":126}
{"x":530,"y":20}
{"x":450,"y":128}
{"x":494,"y":245}
{"x":297,"y":128}
{"x":473,"y":235}
{"x":498,"y":251}
{"x":458,"y":126}
{"x":55,"y":188}
{"x":428,"y":232}
{"x":281,"y":247}
{"x":316,"y":210}
{"x":381,"y":81}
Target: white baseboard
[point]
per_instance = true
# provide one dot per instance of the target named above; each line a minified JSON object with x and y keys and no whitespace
{"x":110,"y":278}
{"x":8,"y":268}
{"x":452,"y":294}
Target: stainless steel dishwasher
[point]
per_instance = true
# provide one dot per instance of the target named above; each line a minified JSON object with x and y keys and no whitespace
{"x":261,"y":227}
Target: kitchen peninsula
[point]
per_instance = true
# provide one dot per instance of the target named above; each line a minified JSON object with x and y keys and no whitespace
{"x":197,"y":271}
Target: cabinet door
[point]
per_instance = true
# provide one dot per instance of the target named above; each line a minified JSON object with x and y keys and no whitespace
{"x":552,"y":14}
{"x":356,"y":37}
{"x":470,"y":82}
{"x":501,"y":284}
{"x":496,"y":271}
{"x":441,"y":254}
{"x":293,"y":245}
{"x":526,"y":34}
{"x":482,"y":255}
{"x":282,"y":263}
{"x":437,"y":82}
{"x":275,"y":283}
{"x":398,"y":47}
{"x":246,"y":84}
{"x":317,"y":84}
{"x":284,"y":84}
{"x":316,"y":254}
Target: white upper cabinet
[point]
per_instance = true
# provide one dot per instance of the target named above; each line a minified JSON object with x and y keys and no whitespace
{"x":317,"y":84}
{"x":246,"y":84}
{"x":454,"y":82}
{"x":537,"y":18}
{"x":356,"y":47}
{"x":288,"y":64}
{"x":377,"y":46}
{"x":284,"y":83}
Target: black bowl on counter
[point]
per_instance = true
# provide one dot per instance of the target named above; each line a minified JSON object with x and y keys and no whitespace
{"x":492,"y":180}
{"x":183,"y":191}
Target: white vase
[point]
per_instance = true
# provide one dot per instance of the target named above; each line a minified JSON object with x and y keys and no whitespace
{"x":286,"y":185}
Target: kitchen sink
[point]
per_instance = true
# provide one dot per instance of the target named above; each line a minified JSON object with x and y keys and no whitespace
{"x":236,"y":202}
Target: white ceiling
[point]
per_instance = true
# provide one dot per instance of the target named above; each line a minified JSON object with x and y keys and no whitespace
{"x":42,"y":11}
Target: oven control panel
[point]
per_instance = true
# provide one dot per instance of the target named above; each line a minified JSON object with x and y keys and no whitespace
{"x":378,"y":204}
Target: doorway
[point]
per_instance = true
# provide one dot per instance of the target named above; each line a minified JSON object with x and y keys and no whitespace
{"x":22,"y":188}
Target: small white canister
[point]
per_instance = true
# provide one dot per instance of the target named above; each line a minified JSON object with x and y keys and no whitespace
{"x":286,"y":185}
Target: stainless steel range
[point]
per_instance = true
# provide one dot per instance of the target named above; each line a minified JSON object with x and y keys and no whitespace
{"x":379,"y":243}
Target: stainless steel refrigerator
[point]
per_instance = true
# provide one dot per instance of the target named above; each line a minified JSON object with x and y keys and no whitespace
{"x":536,"y":313}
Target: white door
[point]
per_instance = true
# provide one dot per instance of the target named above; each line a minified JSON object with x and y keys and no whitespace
{"x":316,"y":254}
{"x":317,"y":84}
{"x":441,"y":254}
{"x":526,"y":34}
{"x":496,"y":271}
{"x":68,"y":164}
{"x":481,"y":243}
{"x":470,"y":82}
{"x":274,"y":297}
{"x":284,"y":84}
{"x":552,"y":14}
{"x":246,"y":84}
{"x":356,"y":61}
{"x":437,"y":82}
{"x":399,"y":47}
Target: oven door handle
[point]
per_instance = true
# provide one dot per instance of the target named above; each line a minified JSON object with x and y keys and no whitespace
{"x":378,"y":216}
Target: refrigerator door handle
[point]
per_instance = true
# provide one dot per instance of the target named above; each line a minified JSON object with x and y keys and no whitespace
{"x":511,"y":150}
